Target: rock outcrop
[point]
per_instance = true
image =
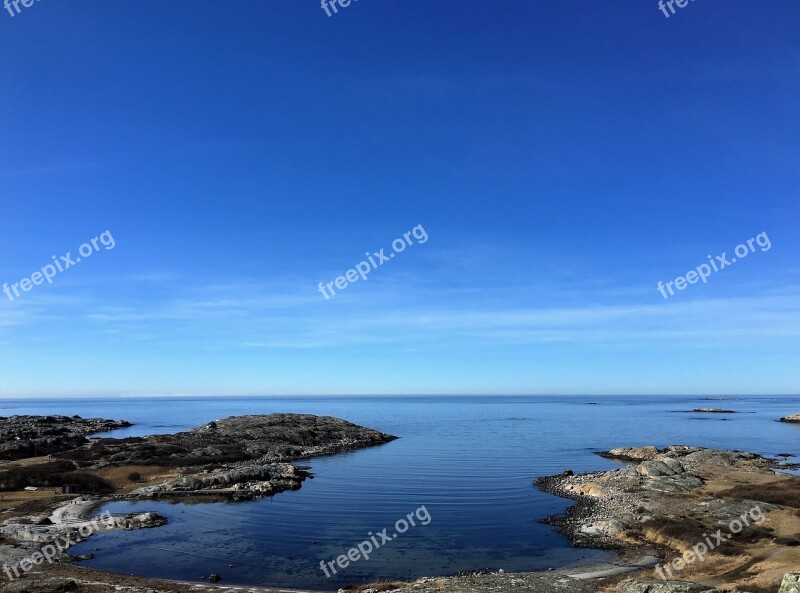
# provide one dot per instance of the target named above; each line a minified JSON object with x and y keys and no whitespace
{"x":253,"y":451}
{"x":631,"y":453}
{"x":658,"y":586}
{"x":37,"y":530}
{"x":713,"y":411}
{"x":243,"y":482}
{"x":791,"y":583}
{"x":793,"y":418}
{"x":28,"y":436}
{"x":263,"y":439}
{"x":628,"y":499}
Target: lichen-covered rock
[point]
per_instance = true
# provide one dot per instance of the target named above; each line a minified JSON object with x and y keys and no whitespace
{"x":603,"y":527}
{"x":791,"y":583}
{"x":658,"y":586}
{"x":632,"y":453}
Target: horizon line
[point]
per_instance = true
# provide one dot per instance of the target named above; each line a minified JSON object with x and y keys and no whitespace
{"x":378,"y":394}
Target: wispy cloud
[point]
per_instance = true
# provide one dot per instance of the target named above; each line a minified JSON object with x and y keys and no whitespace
{"x":288,"y":314}
{"x":48,"y":170}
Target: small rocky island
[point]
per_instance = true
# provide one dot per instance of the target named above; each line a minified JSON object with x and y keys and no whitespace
{"x":713,"y":411}
{"x":793,"y":418}
{"x":31,"y":436}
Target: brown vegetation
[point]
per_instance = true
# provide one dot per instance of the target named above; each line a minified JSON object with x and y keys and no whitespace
{"x":52,"y":475}
{"x":784,"y":492}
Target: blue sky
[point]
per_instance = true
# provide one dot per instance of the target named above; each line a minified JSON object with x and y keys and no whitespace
{"x":563,"y":158}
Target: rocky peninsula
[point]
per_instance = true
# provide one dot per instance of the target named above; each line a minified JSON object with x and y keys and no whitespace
{"x":238,"y":458}
{"x":241,"y":457}
{"x":669,"y":501}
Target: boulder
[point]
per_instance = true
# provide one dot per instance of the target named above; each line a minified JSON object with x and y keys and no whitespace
{"x":791,"y":583}
{"x":632,"y":453}
{"x":603,"y":527}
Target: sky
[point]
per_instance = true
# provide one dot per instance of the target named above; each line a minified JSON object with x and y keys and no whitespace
{"x":557,"y":160}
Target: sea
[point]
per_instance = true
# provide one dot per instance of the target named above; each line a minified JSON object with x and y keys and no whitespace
{"x":468,"y":461}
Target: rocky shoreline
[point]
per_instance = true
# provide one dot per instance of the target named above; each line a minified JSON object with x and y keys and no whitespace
{"x":669,"y":499}
{"x":608,"y":503}
{"x":652,"y":510}
{"x":238,"y":458}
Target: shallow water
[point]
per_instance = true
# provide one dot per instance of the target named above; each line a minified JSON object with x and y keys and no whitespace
{"x":468,"y":460}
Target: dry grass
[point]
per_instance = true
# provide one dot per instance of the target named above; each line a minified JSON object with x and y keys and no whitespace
{"x":118,"y":476}
{"x":784,"y":492}
{"x":682,"y":534}
{"x":52,"y":474}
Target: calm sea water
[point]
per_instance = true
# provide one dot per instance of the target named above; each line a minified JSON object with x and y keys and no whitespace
{"x":468,"y":460}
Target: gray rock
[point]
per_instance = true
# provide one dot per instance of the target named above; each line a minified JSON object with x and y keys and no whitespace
{"x":245,"y":481}
{"x":36,"y":584}
{"x":658,"y":586}
{"x":28,"y":436}
{"x":632,"y":453}
{"x":603,"y":527}
{"x":791,"y":583}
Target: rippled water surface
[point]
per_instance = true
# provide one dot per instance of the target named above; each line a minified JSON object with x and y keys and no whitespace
{"x":468,"y":460}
